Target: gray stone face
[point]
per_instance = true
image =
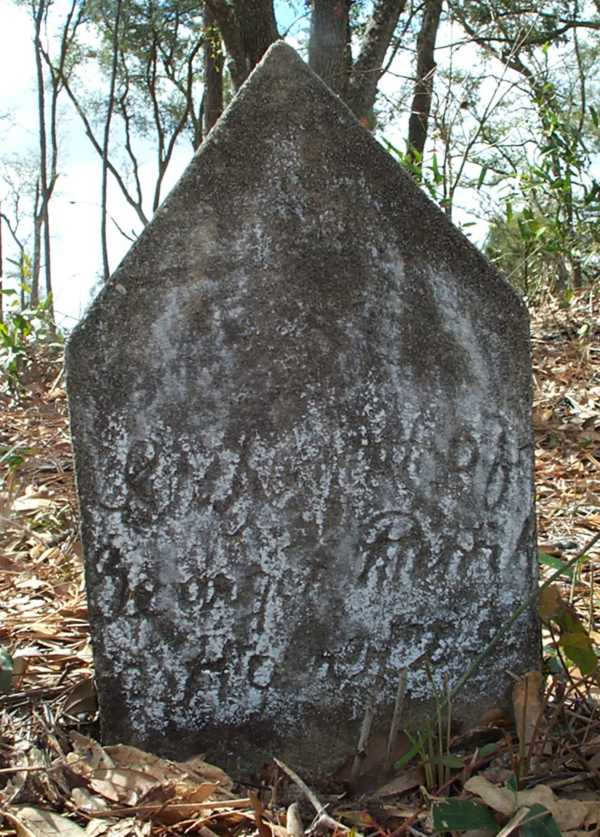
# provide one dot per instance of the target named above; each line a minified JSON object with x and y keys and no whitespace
{"x":301,"y":419}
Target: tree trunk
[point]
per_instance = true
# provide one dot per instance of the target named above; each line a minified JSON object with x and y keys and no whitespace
{"x":213,"y":71}
{"x":36,"y":261}
{"x":106,"y":143}
{"x":248,"y":28}
{"x":329,"y":52}
{"x":367,"y":69}
{"x":423,"y":90}
{"x":259,"y":29}
{"x":41,"y":203}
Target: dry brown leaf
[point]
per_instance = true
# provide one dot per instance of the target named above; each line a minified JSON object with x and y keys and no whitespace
{"x":173,"y":811}
{"x":122,"y":785}
{"x":130,"y":827}
{"x":165,"y":770}
{"x":405,"y":781}
{"x":207,"y":772}
{"x":499,"y":799}
{"x":35,"y":822}
{"x":568,"y":813}
{"x":528,"y":706}
{"x":197,"y":793}
{"x":83,"y":800}
{"x":98,"y":828}
{"x":87,"y":755}
{"x":82,"y":698}
{"x":28,"y":504}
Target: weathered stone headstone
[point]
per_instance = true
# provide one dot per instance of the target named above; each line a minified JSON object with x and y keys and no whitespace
{"x":301,"y":418}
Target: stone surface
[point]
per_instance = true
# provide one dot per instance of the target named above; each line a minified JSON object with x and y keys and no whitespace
{"x":301,"y":418}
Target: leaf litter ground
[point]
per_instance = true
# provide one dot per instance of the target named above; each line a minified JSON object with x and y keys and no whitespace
{"x":506,"y":775}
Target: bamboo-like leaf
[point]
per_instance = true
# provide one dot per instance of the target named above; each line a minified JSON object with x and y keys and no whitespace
{"x":540,"y":823}
{"x":462,"y":815}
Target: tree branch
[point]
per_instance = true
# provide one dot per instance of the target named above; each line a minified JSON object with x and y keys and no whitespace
{"x":367,"y":69}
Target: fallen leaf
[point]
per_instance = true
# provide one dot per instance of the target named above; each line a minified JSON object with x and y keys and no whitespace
{"x":87,"y":755}
{"x":82,"y":698}
{"x":568,"y":813}
{"x":405,"y":781}
{"x":528,"y":706}
{"x":35,"y":822}
{"x":500,"y":799}
{"x":122,"y":785}
{"x":83,"y":800}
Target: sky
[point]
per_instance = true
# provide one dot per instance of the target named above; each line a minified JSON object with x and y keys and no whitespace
{"x":75,"y":207}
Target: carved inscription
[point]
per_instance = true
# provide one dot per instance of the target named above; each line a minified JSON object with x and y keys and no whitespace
{"x":168,"y":482}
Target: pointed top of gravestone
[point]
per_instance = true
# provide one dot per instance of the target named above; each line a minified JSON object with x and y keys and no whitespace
{"x":281,"y":58}
{"x":300,"y":416}
{"x":285,"y":123}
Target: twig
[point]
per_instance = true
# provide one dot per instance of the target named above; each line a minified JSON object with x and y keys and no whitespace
{"x":310,"y":795}
{"x":363,"y":739}
{"x":322,"y":819}
{"x":396,"y":718}
{"x":149,"y":810}
{"x":325,"y":821}
{"x":263,"y":830}
{"x":46,"y":769}
{"x":32,"y":694}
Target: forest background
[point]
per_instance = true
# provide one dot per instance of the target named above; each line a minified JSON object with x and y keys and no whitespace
{"x":490,"y":105}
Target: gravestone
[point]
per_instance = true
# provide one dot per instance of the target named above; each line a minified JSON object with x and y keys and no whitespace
{"x":301,"y":417}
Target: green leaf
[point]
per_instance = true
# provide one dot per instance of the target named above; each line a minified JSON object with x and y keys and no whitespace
{"x":539,"y":823}
{"x":488,"y":749}
{"x":462,"y":815}
{"x":555,"y":564}
{"x":594,"y":115}
{"x":482,"y":174}
{"x":6,"y":670}
{"x":448,"y":760}
{"x":512,"y":783}
{"x":579,"y":649}
{"x":408,"y":756}
{"x":437,"y":175}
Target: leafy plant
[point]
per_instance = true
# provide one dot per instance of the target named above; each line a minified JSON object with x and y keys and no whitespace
{"x":21,"y":329}
{"x":13,"y":457}
{"x":429,"y":176}
{"x":573,"y":639}
{"x":549,"y":236}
